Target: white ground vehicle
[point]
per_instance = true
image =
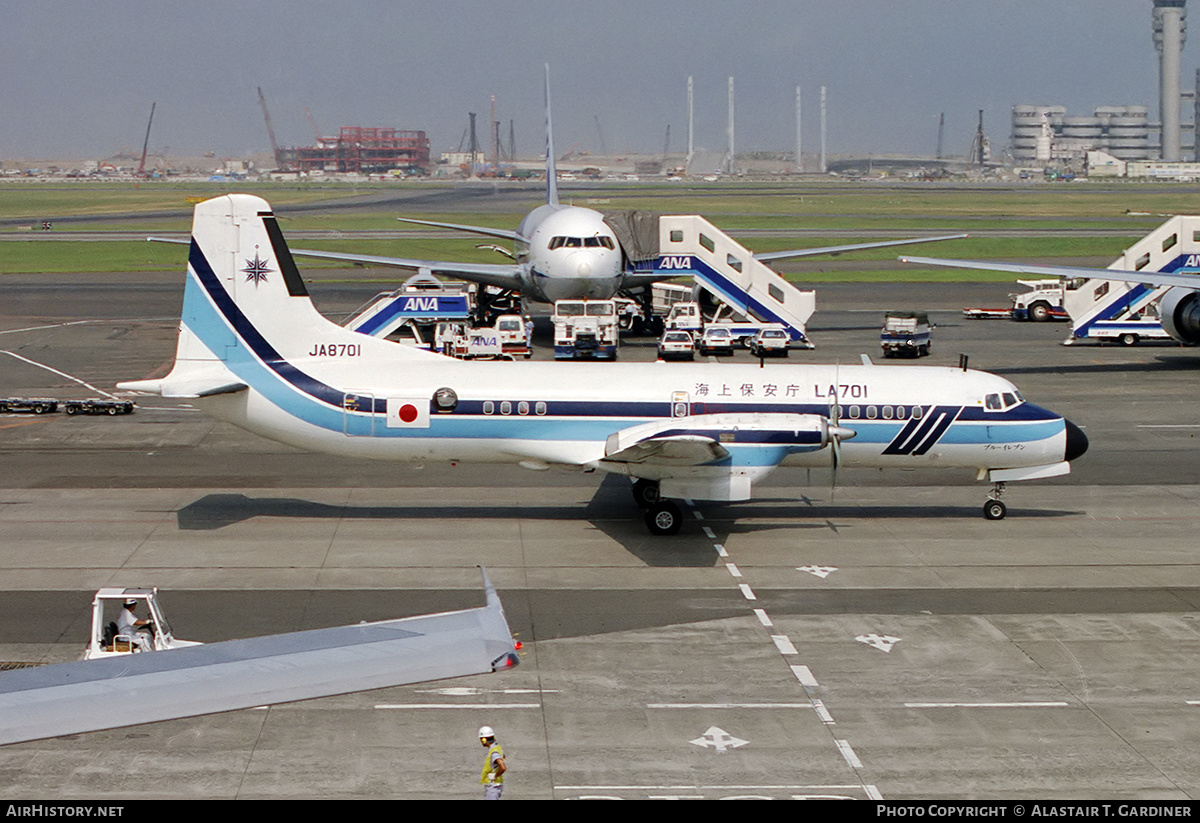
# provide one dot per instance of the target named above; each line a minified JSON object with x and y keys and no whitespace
{"x":905,"y":334}
{"x":105,"y":639}
{"x":585,"y":329}
{"x":677,"y":345}
{"x":769,"y":341}
{"x":685,"y":316}
{"x":716,"y":340}
{"x":1043,"y":301}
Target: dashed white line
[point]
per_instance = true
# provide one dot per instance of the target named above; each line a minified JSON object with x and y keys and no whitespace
{"x":733,"y":570}
{"x":763,"y":618}
{"x":747,"y":592}
{"x":784,"y":644}
{"x":805,"y":677}
{"x":848,"y":754}
{"x":823,"y":712}
{"x":720,"y":550}
{"x":728,"y":705}
{"x":708,"y":532}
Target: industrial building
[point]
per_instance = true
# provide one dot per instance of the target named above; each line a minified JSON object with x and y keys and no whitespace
{"x":364,"y":150}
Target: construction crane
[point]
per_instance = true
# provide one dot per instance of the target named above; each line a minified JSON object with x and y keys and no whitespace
{"x":270,"y":130}
{"x":141,"y":169}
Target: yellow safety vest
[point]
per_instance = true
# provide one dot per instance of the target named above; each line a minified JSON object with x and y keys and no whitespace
{"x":487,"y":776}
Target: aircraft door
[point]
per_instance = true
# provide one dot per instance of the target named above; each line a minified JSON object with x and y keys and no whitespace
{"x":358,"y":414}
{"x":680,"y":404}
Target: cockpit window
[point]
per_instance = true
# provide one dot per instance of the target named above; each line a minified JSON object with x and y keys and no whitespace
{"x":597,"y":242}
{"x":1002,"y":401}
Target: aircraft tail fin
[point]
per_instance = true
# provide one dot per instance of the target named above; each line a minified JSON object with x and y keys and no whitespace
{"x":245,"y":305}
{"x":551,"y":167}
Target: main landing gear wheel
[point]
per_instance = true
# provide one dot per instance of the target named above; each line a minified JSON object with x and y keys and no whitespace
{"x":663,"y":518}
{"x":645,"y":493}
{"x":994,"y":510}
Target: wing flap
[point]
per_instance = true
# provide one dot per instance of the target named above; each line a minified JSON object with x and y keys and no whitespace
{"x":69,"y":698}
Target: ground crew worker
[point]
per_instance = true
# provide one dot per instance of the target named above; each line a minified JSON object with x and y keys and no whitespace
{"x":493,"y":764}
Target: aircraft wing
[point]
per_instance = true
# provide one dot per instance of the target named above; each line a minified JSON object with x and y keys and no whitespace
{"x":766,"y":257}
{"x":503,"y":275}
{"x":1155,"y":278}
{"x":503,"y":234}
{"x":69,"y":698}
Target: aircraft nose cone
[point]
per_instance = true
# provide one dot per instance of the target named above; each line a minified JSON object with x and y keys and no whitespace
{"x":584,"y":269}
{"x":1077,"y":442}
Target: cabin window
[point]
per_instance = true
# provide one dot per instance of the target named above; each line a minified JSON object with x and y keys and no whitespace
{"x":887,"y":412}
{"x":901,"y":412}
{"x":854,"y":412}
{"x":872,"y":412}
{"x":707,"y":242}
{"x":1170,"y":241}
{"x":1142,"y":262}
{"x":489,"y":407}
{"x":676,"y":236}
{"x":523,"y":407}
{"x":775,"y":292}
{"x":505,"y":407}
{"x":917,"y":412}
{"x":733,"y":262}
{"x":540,"y":408}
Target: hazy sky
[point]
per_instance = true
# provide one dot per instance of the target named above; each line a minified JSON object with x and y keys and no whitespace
{"x":79,"y":76}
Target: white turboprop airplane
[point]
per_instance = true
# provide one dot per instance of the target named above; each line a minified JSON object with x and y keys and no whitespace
{"x":254,"y":351}
{"x":562,"y":252}
{"x":68,"y":698}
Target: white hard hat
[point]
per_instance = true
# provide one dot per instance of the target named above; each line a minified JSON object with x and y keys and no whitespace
{"x":486,"y":731}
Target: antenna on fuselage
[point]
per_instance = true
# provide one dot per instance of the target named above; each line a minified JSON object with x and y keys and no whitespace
{"x":551,"y":168}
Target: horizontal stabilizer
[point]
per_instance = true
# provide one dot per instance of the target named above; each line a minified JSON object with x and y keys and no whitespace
{"x":146,"y":687}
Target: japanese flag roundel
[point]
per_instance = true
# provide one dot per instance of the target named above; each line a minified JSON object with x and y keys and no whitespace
{"x":408,"y":413}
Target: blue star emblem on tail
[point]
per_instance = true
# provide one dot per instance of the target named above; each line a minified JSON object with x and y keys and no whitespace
{"x":256,"y":270}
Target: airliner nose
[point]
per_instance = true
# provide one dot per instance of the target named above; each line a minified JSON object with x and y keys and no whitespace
{"x":1077,"y":442}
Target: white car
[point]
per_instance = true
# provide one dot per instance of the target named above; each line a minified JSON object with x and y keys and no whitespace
{"x":715,"y":341}
{"x":677,"y":345}
{"x":769,"y":341}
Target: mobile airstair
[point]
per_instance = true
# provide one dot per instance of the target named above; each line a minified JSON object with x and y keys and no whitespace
{"x":1128,"y":312}
{"x":690,"y":245}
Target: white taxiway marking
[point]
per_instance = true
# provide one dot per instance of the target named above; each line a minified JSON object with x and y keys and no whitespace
{"x":823,"y":712}
{"x":720,"y":550}
{"x":1168,"y":426}
{"x":458,"y":705}
{"x":59,"y":373}
{"x":848,"y":753}
{"x":733,"y":570}
{"x":40,"y":328}
{"x":784,"y":644}
{"x":708,"y":532}
{"x":728,"y":705}
{"x":882,"y":642}
{"x":465,"y":691}
{"x":747,"y":592}
{"x":805,"y":676}
{"x":719,"y":739}
{"x":1048,"y":704}
{"x":818,"y":571}
{"x":763,"y":618}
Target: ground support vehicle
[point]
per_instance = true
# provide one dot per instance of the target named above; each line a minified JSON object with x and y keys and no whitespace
{"x":905,"y":334}
{"x":771,"y":341}
{"x":585,"y":329}
{"x":35,"y":405}
{"x":677,"y":345}
{"x":105,"y":641}
{"x":98,"y":405}
{"x":685,"y":316}
{"x":1043,"y":301}
{"x":715,"y":341}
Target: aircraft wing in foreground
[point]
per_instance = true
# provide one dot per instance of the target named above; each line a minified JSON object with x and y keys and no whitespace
{"x":69,"y":698}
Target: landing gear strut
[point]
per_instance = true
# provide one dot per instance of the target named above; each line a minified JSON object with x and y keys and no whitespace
{"x":645,"y":493}
{"x":994,"y":509}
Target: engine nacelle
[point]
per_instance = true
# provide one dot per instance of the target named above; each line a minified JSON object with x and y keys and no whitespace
{"x":1180,"y":311}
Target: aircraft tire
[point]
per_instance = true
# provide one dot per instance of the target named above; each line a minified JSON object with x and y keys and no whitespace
{"x":994,"y":510}
{"x":664,"y":518}
{"x":645,"y":493}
